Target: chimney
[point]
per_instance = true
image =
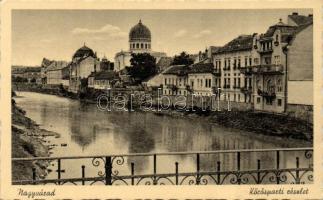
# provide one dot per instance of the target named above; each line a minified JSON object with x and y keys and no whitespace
{"x":295,"y":13}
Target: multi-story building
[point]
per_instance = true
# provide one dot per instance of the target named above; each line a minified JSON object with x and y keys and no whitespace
{"x":84,"y":62}
{"x":300,"y":65}
{"x":102,"y":80}
{"x":175,"y":80}
{"x":54,"y":72}
{"x":285,"y":54}
{"x":139,"y":42}
{"x":233,"y":59}
{"x":203,"y":79}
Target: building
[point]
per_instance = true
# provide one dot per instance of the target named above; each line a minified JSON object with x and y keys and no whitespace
{"x":66,"y":76}
{"x":139,"y":42}
{"x":285,"y":67}
{"x":106,"y":65}
{"x":84,"y":62}
{"x":54,"y":72}
{"x":300,"y":65}
{"x":26,"y":74}
{"x":232,"y":59}
{"x":102,"y":80}
{"x":175,"y":80}
{"x":45,"y":63}
{"x":203,"y":79}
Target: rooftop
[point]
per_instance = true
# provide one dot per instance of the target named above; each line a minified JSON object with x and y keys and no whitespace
{"x":241,"y":43}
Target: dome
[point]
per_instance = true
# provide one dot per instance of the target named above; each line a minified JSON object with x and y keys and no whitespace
{"x":139,"y":32}
{"x":84,"y":52}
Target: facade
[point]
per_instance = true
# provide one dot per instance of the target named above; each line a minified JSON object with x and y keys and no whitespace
{"x":139,"y":42}
{"x":202,"y":79}
{"x":84,"y":62}
{"x":45,"y":63}
{"x":102,"y":80}
{"x":54,"y":74}
{"x":175,"y":80}
{"x":300,"y":64}
{"x":232,"y":60}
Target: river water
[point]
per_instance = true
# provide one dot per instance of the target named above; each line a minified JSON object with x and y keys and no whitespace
{"x":85,"y":130}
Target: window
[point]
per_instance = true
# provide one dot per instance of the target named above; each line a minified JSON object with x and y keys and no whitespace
{"x":245,"y":61}
{"x":279,"y":102}
{"x":250,"y":61}
{"x":256,"y":61}
{"x":137,"y":45}
{"x":239,"y":82}
{"x":165,"y":81}
{"x":276,"y":60}
{"x":142,"y":45}
{"x":146,"y":46}
{"x":258,"y":100}
{"x":239,"y":62}
{"x":279,"y":85}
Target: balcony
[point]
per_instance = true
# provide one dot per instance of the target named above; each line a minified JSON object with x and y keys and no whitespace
{"x":268,"y":69}
{"x":216,"y":72}
{"x":246,"y":90}
{"x":246,"y":70}
{"x":226,"y":87}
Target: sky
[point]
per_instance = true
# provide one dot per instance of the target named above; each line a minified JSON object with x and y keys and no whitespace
{"x":57,"y":34}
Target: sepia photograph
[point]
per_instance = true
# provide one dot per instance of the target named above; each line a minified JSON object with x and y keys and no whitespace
{"x":151,"y":97}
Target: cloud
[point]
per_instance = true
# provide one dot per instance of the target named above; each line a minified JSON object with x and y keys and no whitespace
{"x":180,"y":33}
{"x":202,"y":33}
{"x":108,"y":30}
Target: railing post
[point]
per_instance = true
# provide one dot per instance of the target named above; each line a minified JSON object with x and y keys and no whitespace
{"x":277,"y":167}
{"x":83,"y":174}
{"x":59,"y":170}
{"x":197,"y":169}
{"x":34,"y":175}
{"x":155,"y":170}
{"x":238,"y":168}
{"x":218,"y":169}
{"x":258,"y":173}
{"x":108,"y":170}
{"x":132,"y":173}
{"x":297,"y":181}
{"x":176,"y":173}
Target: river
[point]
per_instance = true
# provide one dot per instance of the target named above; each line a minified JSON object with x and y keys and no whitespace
{"x":88,"y":131}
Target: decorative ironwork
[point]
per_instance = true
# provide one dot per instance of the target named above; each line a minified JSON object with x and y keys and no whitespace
{"x":109,"y":173}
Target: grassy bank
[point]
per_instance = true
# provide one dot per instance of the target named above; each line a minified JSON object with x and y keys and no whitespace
{"x":257,"y":122}
{"x":28,"y":141}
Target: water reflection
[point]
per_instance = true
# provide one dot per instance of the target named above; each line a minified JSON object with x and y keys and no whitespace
{"x":88,"y":131}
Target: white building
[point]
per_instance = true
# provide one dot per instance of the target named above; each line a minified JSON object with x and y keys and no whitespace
{"x":139,"y":42}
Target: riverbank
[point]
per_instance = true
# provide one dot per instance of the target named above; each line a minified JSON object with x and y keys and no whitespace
{"x":256,"y":122}
{"x":28,"y":140}
{"x":279,"y":125}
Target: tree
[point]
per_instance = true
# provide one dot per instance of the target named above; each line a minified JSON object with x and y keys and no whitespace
{"x":182,"y":59}
{"x":143,"y":65}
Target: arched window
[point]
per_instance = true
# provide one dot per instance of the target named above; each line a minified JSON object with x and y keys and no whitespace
{"x":145,"y":46}
{"x":142,"y":45}
{"x":137,"y":45}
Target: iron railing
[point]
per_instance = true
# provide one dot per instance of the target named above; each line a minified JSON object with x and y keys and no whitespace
{"x":108,"y":174}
